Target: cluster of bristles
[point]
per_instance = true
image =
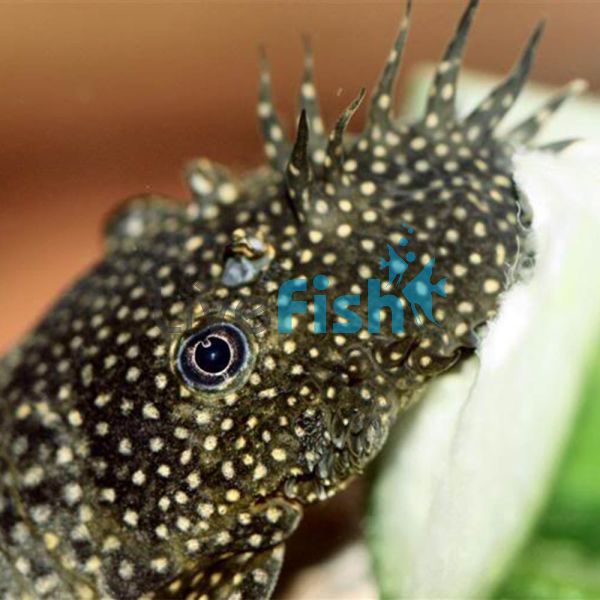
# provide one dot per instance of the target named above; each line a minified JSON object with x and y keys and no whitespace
{"x":315,"y":163}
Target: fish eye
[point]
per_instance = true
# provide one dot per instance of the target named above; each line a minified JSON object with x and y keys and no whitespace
{"x":214,"y":358}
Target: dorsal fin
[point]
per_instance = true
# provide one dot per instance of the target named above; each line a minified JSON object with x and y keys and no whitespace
{"x":299,"y":174}
{"x":335,"y":148}
{"x":441,"y":101}
{"x":277,"y":146}
{"x":382,"y":101}
{"x":492,"y":110}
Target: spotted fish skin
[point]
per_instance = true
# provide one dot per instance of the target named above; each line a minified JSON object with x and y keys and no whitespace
{"x":119,"y":478}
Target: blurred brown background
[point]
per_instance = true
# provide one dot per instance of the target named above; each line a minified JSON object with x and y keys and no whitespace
{"x":104,"y":100}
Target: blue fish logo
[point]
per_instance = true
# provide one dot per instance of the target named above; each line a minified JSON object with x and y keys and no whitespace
{"x":396,"y":265}
{"x":419,"y":292}
{"x":420,"y":289}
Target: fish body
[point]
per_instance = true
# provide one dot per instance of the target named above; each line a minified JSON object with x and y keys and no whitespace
{"x":159,"y":437}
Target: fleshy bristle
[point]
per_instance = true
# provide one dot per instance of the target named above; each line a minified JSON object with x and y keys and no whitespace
{"x":299,"y":175}
{"x":335,"y":148}
{"x":277,"y":146}
{"x":492,"y":110}
{"x":442,"y":94}
{"x":382,"y":101}
{"x":558,"y":146}
{"x":309,"y":102}
{"x":527,"y":130}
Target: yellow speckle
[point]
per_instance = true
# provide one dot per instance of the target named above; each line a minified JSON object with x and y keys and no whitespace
{"x":51,"y":541}
{"x":279,"y":454}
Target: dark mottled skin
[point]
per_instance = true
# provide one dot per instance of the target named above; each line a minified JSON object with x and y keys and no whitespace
{"x":120,"y":481}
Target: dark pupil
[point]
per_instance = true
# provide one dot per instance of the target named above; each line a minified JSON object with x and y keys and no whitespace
{"x":212,"y":354}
